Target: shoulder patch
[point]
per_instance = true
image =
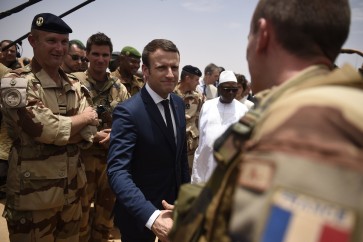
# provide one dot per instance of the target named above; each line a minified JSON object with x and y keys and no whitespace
{"x":256,"y":175}
{"x":295,"y":216}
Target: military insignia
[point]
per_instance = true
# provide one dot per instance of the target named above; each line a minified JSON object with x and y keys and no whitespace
{"x":187,"y":106}
{"x":40,"y":21}
{"x":13,"y":82}
{"x":256,"y":175}
{"x":294,"y":216}
{"x":12,"y":98}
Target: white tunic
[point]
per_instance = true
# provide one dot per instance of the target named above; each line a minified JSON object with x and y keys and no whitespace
{"x":215,"y":117}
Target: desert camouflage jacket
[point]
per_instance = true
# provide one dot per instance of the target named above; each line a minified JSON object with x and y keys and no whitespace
{"x":303,"y":166}
{"x":44,"y":166}
{"x":107,"y":96}
{"x":133,"y":87}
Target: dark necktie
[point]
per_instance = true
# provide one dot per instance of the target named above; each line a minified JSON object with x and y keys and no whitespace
{"x":169,"y":122}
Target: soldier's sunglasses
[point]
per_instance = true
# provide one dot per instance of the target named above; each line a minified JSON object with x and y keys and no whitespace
{"x":77,"y":57}
{"x":230,"y":89}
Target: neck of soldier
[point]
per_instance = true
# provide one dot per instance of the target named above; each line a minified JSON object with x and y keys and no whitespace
{"x":126,"y":75}
{"x":184,"y":88}
{"x":54,"y":74}
{"x":97,"y":75}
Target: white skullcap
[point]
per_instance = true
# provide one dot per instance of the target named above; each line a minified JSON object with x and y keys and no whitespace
{"x":227,"y":76}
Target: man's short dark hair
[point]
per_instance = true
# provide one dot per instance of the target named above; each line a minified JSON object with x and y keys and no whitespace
{"x":307,"y":28}
{"x":98,"y":39}
{"x":164,"y":44}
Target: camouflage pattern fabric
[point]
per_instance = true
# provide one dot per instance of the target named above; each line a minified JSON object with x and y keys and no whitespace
{"x":5,"y":142}
{"x":97,"y":223}
{"x":193,"y":103}
{"x":304,"y":158}
{"x":307,"y":145}
{"x":3,"y":70}
{"x":43,"y":225}
{"x":133,"y":87}
{"x":46,"y":177}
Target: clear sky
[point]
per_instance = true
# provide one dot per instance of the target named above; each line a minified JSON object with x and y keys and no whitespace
{"x":205,"y":31}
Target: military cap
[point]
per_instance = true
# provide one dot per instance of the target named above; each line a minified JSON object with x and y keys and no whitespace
{"x":192,"y":70}
{"x":50,"y":23}
{"x":77,"y":42}
{"x":130,"y":51}
{"x":115,"y":55}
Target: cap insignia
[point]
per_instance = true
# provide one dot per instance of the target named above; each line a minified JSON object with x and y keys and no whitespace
{"x":40,"y":21}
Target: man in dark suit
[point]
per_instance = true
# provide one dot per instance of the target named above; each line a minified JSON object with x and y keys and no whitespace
{"x":147,"y":159}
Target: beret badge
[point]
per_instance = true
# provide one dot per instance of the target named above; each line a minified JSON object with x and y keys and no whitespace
{"x":40,"y":21}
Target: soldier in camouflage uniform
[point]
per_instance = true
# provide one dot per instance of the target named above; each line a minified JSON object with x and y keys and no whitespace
{"x":193,"y":103}
{"x":5,"y":143}
{"x":129,"y":65}
{"x":49,"y":120}
{"x":106,"y":92}
{"x":293,"y":167}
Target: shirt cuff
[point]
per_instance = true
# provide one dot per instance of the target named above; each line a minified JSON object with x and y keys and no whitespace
{"x":152,"y":219}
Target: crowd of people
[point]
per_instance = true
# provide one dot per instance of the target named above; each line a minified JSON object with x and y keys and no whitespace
{"x":89,"y":141}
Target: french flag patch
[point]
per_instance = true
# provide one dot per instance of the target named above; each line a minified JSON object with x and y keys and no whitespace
{"x":296,"y":217}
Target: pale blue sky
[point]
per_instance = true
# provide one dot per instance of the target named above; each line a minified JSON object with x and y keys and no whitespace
{"x":205,"y":31}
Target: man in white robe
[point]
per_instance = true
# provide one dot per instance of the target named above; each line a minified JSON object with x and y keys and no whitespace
{"x":215,"y":117}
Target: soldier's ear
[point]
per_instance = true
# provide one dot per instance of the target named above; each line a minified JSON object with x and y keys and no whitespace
{"x":263,"y":35}
{"x":31,"y":40}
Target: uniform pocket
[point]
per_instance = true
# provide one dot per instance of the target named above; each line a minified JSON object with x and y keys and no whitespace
{"x":42,"y":183}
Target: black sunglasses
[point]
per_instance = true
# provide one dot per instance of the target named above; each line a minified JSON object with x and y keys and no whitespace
{"x":230,"y":89}
{"x":76,"y":58}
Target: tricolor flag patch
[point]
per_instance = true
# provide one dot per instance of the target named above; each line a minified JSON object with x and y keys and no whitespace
{"x":295,"y":217}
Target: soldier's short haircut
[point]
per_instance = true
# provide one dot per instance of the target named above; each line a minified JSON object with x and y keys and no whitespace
{"x":98,"y":39}
{"x":209,"y":69}
{"x":307,"y":28}
{"x":164,"y":44}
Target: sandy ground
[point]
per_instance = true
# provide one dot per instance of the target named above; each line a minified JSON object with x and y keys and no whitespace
{"x":4,"y":235}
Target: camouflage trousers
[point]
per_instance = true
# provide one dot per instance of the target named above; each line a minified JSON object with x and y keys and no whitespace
{"x":97,"y":222}
{"x":59,"y":224}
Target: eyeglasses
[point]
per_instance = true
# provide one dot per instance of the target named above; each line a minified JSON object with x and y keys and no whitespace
{"x":77,"y":57}
{"x":230,"y":89}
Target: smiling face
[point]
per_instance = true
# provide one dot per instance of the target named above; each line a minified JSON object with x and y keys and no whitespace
{"x":49,"y":48}
{"x":99,"y":56}
{"x":163,"y":73}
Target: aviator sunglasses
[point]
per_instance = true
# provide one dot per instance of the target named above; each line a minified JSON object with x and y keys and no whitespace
{"x":76,"y":58}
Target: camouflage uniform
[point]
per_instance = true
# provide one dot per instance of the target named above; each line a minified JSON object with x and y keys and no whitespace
{"x":96,"y":226}
{"x":193,"y":103}
{"x":300,"y":170}
{"x":5,"y":142}
{"x":133,"y":87}
{"x":45,"y":178}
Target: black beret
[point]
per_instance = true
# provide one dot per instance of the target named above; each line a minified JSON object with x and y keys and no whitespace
{"x":50,"y":23}
{"x":192,"y":70}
